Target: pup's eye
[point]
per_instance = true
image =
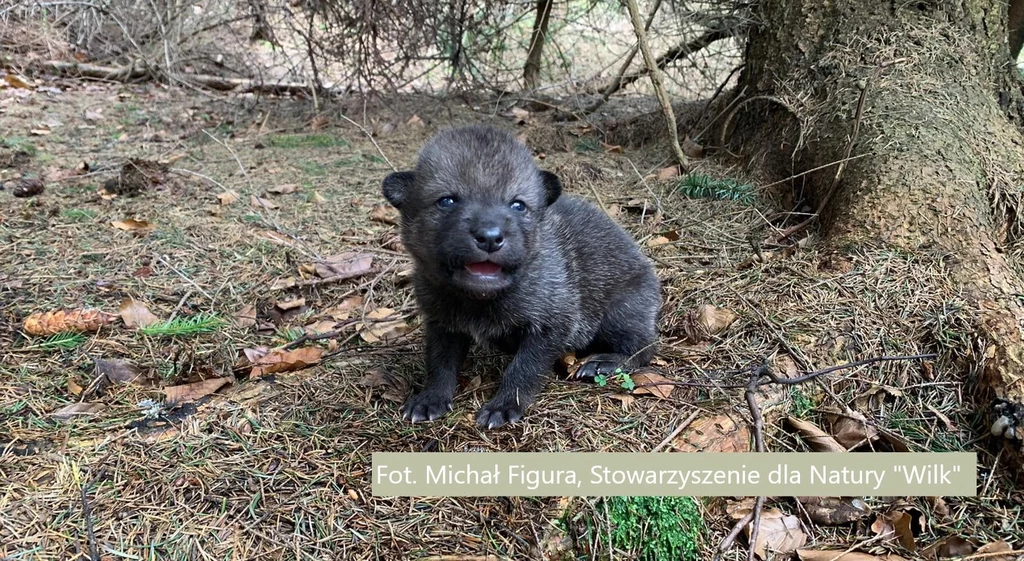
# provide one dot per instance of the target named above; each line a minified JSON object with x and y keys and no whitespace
{"x":518,"y":206}
{"x":446,"y":202}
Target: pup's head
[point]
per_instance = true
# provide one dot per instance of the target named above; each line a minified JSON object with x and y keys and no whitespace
{"x":472,"y":207}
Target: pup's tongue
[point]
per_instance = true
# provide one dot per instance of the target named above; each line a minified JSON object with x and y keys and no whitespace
{"x":484,"y":268}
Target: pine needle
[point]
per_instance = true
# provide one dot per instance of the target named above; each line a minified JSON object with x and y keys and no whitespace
{"x":697,"y":186}
{"x":199,"y":323}
{"x":61,"y":341}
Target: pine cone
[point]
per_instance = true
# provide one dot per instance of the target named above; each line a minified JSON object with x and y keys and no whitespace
{"x":60,"y":321}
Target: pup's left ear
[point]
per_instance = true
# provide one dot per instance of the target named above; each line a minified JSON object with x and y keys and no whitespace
{"x":552,"y":186}
{"x":396,"y":187}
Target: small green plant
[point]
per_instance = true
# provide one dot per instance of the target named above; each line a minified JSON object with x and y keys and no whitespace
{"x":655,"y":528}
{"x":698,"y":186}
{"x":60,"y":341}
{"x":307,"y":141}
{"x":624,"y":380}
{"x":18,"y":143}
{"x":199,"y":323}
{"x":801,"y":404}
{"x":79,"y":215}
{"x":290,"y":334}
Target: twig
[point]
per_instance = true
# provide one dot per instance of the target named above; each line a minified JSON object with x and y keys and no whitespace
{"x":374,"y":141}
{"x":655,"y":74}
{"x":735,"y":533}
{"x":616,"y":83}
{"x":676,"y":432}
{"x":184,"y":276}
{"x":327,"y":280}
{"x":755,"y":525}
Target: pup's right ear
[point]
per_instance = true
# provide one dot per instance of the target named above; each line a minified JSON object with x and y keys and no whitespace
{"x":396,"y":187}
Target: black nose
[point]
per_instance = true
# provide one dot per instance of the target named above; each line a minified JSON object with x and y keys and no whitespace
{"x":489,"y":239}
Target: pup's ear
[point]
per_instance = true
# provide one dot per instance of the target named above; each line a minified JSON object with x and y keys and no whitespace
{"x":396,"y":187}
{"x":552,"y":186}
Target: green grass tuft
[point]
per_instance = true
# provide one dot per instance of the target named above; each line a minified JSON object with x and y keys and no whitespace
{"x":60,"y":341}
{"x":18,"y":143}
{"x":697,"y":186}
{"x":199,"y":323}
{"x":307,"y":141}
{"x":79,"y":215}
{"x":655,"y":528}
{"x":801,"y":404}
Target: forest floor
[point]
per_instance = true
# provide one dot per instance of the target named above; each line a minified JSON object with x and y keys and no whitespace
{"x":240,"y":201}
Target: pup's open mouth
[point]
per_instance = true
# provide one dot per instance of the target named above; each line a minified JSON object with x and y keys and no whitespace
{"x":484,"y":269}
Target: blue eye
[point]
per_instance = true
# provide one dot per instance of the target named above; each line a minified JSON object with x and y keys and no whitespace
{"x":446,"y":202}
{"x":518,"y":206}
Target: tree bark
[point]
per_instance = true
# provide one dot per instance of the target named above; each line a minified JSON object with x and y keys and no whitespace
{"x":531,"y":70}
{"x":937,"y":149}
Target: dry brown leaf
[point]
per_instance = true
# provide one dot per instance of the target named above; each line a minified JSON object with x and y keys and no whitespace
{"x":834,"y":511}
{"x":714,"y":434}
{"x":650,"y":382}
{"x":895,"y":525}
{"x":228,"y":197}
{"x":320,"y":327}
{"x":58,"y":321}
{"x":246,"y":317}
{"x":842,"y":555}
{"x":385,"y":214}
{"x":343,"y":311}
{"x":851,"y":429}
{"x":16,"y":81}
{"x":736,"y":510}
{"x":381,"y":314}
{"x":396,"y":388}
{"x":624,"y":399}
{"x":253,"y":355}
{"x":939,"y":507}
{"x":259,"y":202}
{"x":285,"y":189}
{"x":350,"y":264}
{"x":778,"y":532}
{"x":132,"y":225}
{"x":949,"y":546}
{"x":383,"y":331}
{"x":290,"y":304}
{"x":691,"y":149}
{"x":668,"y":173}
{"x":658,"y":241}
{"x":74,"y":388}
{"x":520,"y":116}
{"x":613,"y":149}
{"x":286,"y":361}
{"x":186,"y":393}
{"x":318,"y":198}
{"x":75,"y":409}
{"x":119,"y":371}
{"x":473,"y":384}
{"x":416,"y":122}
{"x":996,"y":547}
{"x":817,"y":439}
{"x":135,"y":313}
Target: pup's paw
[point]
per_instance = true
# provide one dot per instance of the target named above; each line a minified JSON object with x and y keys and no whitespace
{"x":497,"y":413}
{"x":426,"y":406}
{"x":603,"y":364}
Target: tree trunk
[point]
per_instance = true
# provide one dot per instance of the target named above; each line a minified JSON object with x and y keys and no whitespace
{"x":531,"y":70}
{"x":938,"y":158}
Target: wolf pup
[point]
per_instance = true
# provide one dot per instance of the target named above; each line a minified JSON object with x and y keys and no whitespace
{"x":504,"y":259}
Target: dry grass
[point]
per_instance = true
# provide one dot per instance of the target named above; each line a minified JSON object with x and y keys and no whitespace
{"x":279,"y":467}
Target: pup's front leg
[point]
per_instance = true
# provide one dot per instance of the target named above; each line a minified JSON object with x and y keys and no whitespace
{"x":522,"y":381}
{"x":446,"y":351}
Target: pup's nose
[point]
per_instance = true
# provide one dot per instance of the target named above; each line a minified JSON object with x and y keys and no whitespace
{"x":489,"y":238}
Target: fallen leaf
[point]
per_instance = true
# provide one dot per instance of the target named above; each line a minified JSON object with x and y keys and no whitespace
{"x":74,"y":409}
{"x":132,"y":225}
{"x":843,"y":555}
{"x":320,"y":327}
{"x":263,"y":203}
{"x":286,"y":361}
{"x":817,"y":439}
{"x":16,"y":81}
{"x":649,"y":382}
{"x":719,"y":433}
{"x":290,"y":304}
{"x":373,"y":333}
{"x":186,"y":393}
{"x":349,"y":265}
{"x":950,"y":546}
{"x":613,"y":149}
{"x":74,"y":388}
{"x":246,"y":317}
{"x":668,"y":173}
{"x":416,"y":122}
{"x":118,"y":371}
{"x":344,"y":310}
{"x":228,"y":197}
{"x":385,"y":214}
{"x":834,"y":511}
{"x":135,"y":314}
{"x":624,"y":399}
{"x":691,"y":149}
{"x":318,"y":198}
{"x":519,"y":116}
{"x":737,"y":510}
{"x":706,"y":322}
{"x":658,"y":241}
{"x":852,"y":429}
{"x":778,"y":533}
{"x":895,"y":524}
{"x":995,"y":547}
{"x":94,"y":115}
{"x":285,"y":189}
{"x":396,"y":388}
